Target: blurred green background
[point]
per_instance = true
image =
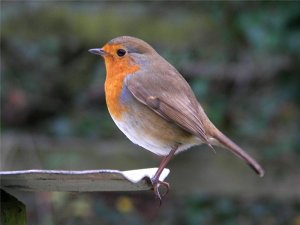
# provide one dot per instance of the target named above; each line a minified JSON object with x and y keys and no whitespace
{"x":242,"y":61}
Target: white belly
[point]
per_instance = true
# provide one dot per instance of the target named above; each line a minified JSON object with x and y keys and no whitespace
{"x":135,"y":132}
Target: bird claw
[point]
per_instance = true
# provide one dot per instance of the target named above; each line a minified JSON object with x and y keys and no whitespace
{"x":156,"y":183}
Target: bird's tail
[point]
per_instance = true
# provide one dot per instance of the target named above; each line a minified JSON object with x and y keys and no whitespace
{"x":235,"y":149}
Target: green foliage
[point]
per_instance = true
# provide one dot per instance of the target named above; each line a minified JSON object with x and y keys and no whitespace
{"x":13,"y":212}
{"x":111,"y":208}
{"x":224,"y":210}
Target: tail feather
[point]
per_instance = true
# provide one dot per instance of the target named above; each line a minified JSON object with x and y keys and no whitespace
{"x":235,"y":149}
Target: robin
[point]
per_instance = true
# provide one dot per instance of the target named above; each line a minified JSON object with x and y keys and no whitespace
{"x":154,"y":106}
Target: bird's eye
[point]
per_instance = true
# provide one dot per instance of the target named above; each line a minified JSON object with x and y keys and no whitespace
{"x":121,"y":52}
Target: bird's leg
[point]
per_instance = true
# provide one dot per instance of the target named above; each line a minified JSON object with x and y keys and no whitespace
{"x":155,"y":180}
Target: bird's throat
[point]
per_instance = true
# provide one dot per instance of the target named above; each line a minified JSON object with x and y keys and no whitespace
{"x":114,"y":85}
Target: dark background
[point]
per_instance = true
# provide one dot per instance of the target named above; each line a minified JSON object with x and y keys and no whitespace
{"x":242,"y":61}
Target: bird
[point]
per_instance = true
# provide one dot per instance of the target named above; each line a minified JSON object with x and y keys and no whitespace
{"x":155,"y":107}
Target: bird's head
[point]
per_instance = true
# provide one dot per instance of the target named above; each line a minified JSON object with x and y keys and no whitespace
{"x":123,"y":53}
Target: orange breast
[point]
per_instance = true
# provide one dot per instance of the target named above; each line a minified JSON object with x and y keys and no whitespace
{"x":116,"y":71}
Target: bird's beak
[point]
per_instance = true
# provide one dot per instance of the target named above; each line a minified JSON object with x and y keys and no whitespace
{"x":98,"y":51}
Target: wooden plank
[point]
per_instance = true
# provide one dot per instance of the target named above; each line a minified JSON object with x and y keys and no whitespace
{"x":79,"y":181}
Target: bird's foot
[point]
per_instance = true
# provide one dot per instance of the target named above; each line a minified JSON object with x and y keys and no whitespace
{"x":158,"y":192}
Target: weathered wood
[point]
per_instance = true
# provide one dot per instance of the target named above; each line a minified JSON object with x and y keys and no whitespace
{"x":13,"y":212}
{"x":79,"y":181}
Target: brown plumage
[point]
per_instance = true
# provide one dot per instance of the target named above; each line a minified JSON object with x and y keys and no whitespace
{"x":154,"y":106}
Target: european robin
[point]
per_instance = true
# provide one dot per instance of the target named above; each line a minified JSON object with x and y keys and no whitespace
{"x":154,"y":106}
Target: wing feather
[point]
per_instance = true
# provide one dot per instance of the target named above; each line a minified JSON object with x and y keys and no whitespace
{"x":169,"y":96}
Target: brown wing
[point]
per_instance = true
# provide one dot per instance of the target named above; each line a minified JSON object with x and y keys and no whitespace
{"x":170,"y":96}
